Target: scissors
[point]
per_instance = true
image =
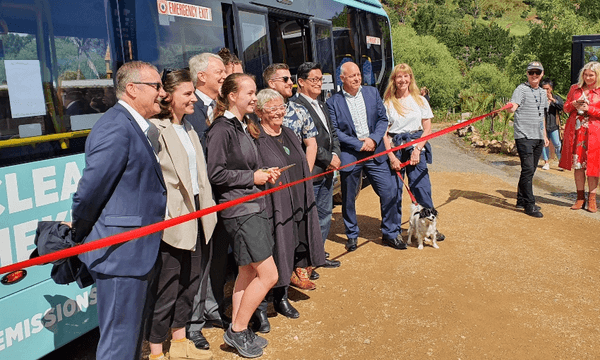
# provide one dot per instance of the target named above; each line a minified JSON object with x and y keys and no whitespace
{"x":280,"y":169}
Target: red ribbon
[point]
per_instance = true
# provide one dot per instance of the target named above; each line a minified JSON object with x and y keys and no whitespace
{"x":159,"y":226}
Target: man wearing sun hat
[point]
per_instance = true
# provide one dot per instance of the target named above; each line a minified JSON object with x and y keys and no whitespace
{"x":529,"y":102}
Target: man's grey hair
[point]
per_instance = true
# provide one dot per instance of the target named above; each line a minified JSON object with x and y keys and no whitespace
{"x":342,"y":67}
{"x":266,"y":95}
{"x":128,"y":73}
{"x":200,"y":63}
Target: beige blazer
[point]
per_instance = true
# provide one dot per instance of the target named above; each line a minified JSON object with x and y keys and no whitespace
{"x":180,"y":196}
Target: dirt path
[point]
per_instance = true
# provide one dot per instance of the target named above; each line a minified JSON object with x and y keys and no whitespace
{"x":502,"y":286}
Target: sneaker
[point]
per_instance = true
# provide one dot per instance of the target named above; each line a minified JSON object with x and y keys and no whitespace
{"x":546,"y":166}
{"x":242,"y":342}
{"x":258,"y":340}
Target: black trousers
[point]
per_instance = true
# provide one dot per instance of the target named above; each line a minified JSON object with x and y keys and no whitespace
{"x":529,"y":151}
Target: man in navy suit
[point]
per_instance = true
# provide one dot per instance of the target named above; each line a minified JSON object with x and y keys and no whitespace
{"x":122,"y":188}
{"x":358,"y":115}
{"x":208,"y":74}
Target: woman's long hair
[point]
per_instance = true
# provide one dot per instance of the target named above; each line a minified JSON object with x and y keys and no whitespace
{"x":232,"y":85}
{"x":389,"y":97}
{"x":595,"y":67}
{"x":171,"y":79}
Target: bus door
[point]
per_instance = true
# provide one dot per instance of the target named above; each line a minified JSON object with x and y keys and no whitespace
{"x":322,"y":52}
{"x":290,"y":38}
{"x":251,"y":40}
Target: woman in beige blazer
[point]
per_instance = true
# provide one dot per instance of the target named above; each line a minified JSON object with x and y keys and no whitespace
{"x":184,"y":248}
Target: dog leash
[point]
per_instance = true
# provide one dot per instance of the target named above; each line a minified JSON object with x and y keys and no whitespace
{"x":412,"y":197}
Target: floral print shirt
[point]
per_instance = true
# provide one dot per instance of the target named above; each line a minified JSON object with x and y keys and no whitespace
{"x":298,"y":119}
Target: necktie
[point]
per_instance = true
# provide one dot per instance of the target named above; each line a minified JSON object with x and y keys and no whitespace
{"x":153,"y":134}
{"x":210,"y":110}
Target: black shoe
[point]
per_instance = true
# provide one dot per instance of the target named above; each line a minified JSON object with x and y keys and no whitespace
{"x":331,"y":264}
{"x":533,"y":211}
{"x":199,"y":340}
{"x":396,"y":243}
{"x":326,"y":255}
{"x":521,"y":206}
{"x":439,"y":236}
{"x":260,"y":322}
{"x":351,"y":244}
{"x":314,"y":275}
{"x":286,"y":309}
{"x":242,"y":342}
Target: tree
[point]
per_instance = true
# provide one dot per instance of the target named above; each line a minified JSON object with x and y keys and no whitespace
{"x":432,"y":64}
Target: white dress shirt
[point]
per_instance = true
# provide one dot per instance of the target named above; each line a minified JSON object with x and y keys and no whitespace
{"x":358,"y":111}
{"x":317,"y":107}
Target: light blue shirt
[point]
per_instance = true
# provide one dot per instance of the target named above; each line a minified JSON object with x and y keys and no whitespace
{"x":358,"y":111}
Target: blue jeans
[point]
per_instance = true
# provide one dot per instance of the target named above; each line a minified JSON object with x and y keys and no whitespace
{"x":555,"y":139}
{"x":324,"y":199}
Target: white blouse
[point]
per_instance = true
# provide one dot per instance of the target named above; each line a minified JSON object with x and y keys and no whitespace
{"x":191,"y":153}
{"x":413,"y":115}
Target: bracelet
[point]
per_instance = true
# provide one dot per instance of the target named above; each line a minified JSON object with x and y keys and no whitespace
{"x":420,"y":149}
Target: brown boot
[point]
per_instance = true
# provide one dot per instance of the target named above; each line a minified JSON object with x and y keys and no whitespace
{"x":300,"y":279}
{"x":580,"y":203}
{"x":185,"y":349}
{"x":592,"y":203}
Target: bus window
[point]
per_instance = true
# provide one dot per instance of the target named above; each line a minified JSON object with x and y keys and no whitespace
{"x":69,"y":50}
{"x":289,"y":41}
{"x":171,"y":38}
{"x":376,"y":58}
{"x":324,"y":51}
{"x":253,"y":33}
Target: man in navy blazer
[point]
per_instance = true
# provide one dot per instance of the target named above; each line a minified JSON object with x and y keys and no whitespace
{"x":358,"y":115}
{"x":122,"y":188}
{"x":208,"y":73}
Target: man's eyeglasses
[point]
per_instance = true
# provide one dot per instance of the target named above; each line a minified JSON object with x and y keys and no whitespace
{"x":155,"y":85}
{"x":315,"y":80}
{"x":274,"y":109}
{"x":284,"y":78}
{"x":534,"y":72}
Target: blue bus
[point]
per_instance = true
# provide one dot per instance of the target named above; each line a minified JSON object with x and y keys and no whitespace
{"x":57,"y":64}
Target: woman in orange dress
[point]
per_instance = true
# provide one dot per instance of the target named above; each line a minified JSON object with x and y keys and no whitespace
{"x":581,"y":148}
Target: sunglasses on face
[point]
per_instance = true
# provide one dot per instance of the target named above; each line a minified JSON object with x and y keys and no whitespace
{"x":284,"y":78}
{"x":155,"y":85}
{"x":534,"y":72}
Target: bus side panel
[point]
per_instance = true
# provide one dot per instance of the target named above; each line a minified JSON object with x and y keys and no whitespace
{"x":44,"y":317}
{"x":37,"y":315}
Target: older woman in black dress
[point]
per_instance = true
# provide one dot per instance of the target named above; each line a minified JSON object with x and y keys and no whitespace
{"x":298,"y":242}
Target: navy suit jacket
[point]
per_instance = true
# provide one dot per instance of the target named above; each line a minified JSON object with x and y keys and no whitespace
{"x":198,"y":121}
{"x":122,"y":188}
{"x":342,"y":122}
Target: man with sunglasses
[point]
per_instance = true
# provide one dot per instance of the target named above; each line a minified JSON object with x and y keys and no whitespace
{"x":122,"y":188}
{"x":297,"y":118}
{"x":529,"y":102}
{"x":310,"y":82}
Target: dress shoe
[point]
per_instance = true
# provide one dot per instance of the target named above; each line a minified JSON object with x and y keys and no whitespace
{"x":521,"y":206}
{"x":533,"y":212}
{"x":286,"y":309}
{"x":326,"y":255}
{"x":439,"y":236}
{"x":396,"y":243}
{"x":199,"y":340}
{"x":314,"y":275}
{"x":260,"y":322}
{"x":331,"y":263}
{"x":351,"y":244}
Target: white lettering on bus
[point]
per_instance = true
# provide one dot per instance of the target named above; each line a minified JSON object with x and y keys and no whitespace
{"x":42,"y":186}
{"x":13,"y":334}
{"x":5,"y":249}
{"x":24,"y":239}
{"x":14,"y":203}
{"x":1,"y":207}
{"x":70,"y":180}
{"x":36,"y":323}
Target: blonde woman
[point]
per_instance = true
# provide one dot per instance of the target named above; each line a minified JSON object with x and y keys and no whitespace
{"x":581,"y":147}
{"x":409,"y":116}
